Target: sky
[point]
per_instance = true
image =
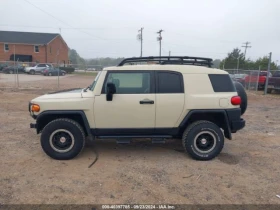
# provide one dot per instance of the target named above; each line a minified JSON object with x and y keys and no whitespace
{"x":109,"y":28}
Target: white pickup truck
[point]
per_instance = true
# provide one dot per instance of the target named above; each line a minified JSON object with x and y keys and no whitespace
{"x":37,"y":68}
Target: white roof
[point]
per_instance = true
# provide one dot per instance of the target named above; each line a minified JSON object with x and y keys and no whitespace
{"x":184,"y":69}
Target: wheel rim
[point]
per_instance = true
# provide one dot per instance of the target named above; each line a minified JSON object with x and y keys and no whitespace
{"x":205,"y":142}
{"x":61,"y":140}
{"x":50,"y":74}
{"x":11,"y":72}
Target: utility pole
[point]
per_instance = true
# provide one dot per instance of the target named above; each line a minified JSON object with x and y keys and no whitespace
{"x":268,"y":72}
{"x":140,"y":37}
{"x":159,"y":38}
{"x":246,"y":46}
{"x":169,"y":53}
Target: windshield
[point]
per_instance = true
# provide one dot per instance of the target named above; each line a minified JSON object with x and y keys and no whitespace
{"x":95,"y":81}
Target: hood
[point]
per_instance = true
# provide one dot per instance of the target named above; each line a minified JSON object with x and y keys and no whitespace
{"x":63,"y":94}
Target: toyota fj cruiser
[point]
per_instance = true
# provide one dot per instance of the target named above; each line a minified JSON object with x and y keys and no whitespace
{"x":148,"y":97}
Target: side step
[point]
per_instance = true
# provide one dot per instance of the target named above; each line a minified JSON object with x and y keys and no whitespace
{"x":123,"y":141}
{"x":158,"y":140}
{"x":128,"y":140}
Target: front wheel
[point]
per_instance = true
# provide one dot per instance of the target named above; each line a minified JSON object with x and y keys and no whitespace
{"x":11,"y":72}
{"x":203,"y":140}
{"x":50,"y":74}
{"x":32,"y":72}
{"x":63,"y":139}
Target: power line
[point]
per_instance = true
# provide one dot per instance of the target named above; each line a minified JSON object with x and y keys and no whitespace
{"x":59,"y":19}
{"x":246,"y":46}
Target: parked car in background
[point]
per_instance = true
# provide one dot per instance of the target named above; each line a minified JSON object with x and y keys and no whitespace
{"x":2,"y":66}
{"x":240,"y":78}
{"x":53,"y":72}
{"x":37,"y":68}
{"x":13,"y":69}
{"x":256,"y":78}
{"x":274,"y":82}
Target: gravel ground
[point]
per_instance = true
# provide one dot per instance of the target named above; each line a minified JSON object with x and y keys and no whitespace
{"x":246,"y":172}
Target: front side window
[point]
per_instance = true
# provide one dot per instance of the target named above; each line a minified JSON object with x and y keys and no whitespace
{"x":169,"y":82}
{"x":130,"y":82}
{"x":41,"y":65}
{"x":6,"y":47}
{"x":36,"y":48}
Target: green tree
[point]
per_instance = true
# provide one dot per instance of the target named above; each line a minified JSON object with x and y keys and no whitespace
{"x":263,"y":63}
{"x":233,"y":60}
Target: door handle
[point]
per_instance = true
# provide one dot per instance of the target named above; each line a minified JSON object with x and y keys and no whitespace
{"x":146,"y":102}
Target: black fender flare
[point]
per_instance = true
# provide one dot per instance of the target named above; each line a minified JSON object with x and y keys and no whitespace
{"x":54,"y":114}
{"x":224,"y":124}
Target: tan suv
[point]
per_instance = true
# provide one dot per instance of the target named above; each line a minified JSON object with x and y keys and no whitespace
{"x":175,"y":97}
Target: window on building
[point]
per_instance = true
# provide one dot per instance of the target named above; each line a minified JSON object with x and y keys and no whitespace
{"x":169,"y":82}
{"x":50,"y":49}
{"x":36,"y":48}
{"x":6,"y":47}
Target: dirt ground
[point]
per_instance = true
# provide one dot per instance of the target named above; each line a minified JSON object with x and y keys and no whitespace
{"x":246,"y":172}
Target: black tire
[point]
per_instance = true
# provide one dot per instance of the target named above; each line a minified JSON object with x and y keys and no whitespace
{"x":196,"y":146}
{"x":63,"y":139}
{"x":49,"y":74}
{"x":63,"y":74}
{"x":11,"y":71}
{"x":32,"y":72}
{"x":269,"y":90}
{"x":243,"y":95}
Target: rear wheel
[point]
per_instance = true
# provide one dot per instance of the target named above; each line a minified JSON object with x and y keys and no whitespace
{"x":32,"y":72}
{"x":203,"y":140}
{"x":63,"y":139}
{"x":11,"y":71}
{"x":63,"y":74}
{"x":49,"y":74}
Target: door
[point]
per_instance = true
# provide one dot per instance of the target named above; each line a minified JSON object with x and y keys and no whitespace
{"x":40,"y":67}
{"x":132,"y":110}
{"x":170,"y":99}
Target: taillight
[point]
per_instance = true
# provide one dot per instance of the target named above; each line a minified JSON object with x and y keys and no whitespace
{"x":235,"y":100}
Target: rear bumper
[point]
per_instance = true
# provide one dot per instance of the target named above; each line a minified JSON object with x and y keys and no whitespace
{"x":235,"y":121}
{"x":237,"y":125}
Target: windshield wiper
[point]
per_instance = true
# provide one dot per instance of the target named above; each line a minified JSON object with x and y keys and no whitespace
{"x":89,"y":87}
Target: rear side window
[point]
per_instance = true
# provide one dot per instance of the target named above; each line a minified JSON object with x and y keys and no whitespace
{"x":222,"y":83}
{"x":169,"y":82}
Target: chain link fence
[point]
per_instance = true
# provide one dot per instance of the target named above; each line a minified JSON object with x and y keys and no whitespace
{"x":13,"y":75}
{"x":252,"y":80}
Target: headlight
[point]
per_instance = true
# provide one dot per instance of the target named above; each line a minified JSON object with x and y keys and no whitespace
{"x":35,"y":108}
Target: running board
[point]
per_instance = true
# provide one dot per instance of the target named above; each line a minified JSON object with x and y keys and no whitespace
{"x":136,"y":137}
{"x":123,"y":141}
{"x":158,"y":140}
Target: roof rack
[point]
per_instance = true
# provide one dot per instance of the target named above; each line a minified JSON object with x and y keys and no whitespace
{"x":164,"y":60}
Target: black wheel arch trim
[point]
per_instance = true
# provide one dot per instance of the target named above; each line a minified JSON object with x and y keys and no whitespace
{"x":42,"y":115}
{"x":226,"y":123}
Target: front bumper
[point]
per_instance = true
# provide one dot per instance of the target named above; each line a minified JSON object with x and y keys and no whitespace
{"x":33,"y":125}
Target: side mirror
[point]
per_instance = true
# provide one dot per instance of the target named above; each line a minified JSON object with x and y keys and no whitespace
{"x":111,"y":89}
